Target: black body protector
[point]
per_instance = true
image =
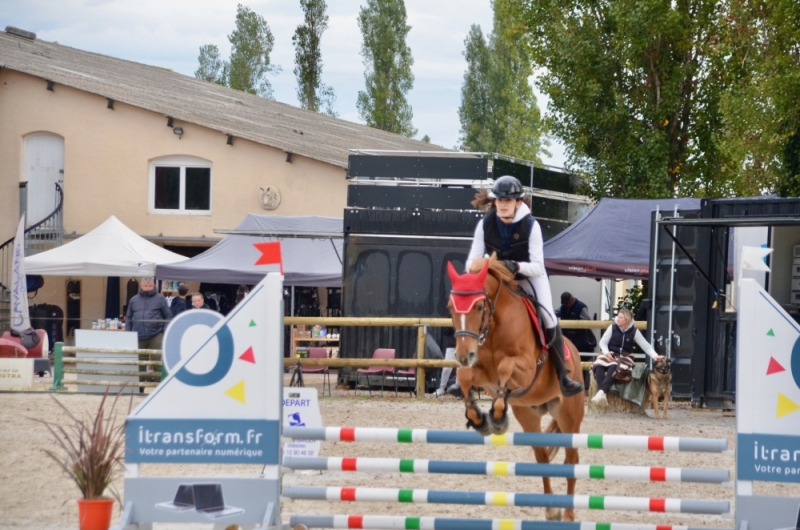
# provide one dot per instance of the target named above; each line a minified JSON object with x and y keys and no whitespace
{"x":519,"y":252}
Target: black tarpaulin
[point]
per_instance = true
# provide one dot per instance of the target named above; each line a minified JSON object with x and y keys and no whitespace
{"x":612,"y":241}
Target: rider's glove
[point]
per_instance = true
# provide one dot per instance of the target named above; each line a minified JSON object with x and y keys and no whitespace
{"x":512,"y":265}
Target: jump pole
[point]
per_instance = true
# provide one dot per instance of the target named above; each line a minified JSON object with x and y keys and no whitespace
{"x":575,"y":441}
{"x":387,"y":522}
{"x":509,"y":469}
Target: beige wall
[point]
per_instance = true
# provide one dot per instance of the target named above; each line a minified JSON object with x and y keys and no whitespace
{"x":107,"y":156}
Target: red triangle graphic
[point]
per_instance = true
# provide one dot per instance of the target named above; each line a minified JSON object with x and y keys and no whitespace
{"x":250,"y":357}
{"x":774,"y":367}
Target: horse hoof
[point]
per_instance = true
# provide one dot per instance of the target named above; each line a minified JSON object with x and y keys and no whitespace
{"x":499,"y":426}
{"x":553,"y":514}
{"x":484,"y":428}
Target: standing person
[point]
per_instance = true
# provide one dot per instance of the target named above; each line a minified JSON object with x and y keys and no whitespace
{"x":573,"y":309}
{"x":449,"y":339}
{"x":617,"y":340}
{"x":199,"y":301}
{"x":179,"y":303}
{"x":148,"y":313}
{"x":510,"y":230}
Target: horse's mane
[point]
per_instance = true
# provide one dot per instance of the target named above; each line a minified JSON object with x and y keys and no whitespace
{"x":496,"y":269}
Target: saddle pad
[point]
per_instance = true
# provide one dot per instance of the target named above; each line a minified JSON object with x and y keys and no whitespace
{"x":538,"y":328}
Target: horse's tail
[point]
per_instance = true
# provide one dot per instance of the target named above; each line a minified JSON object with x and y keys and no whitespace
{"x":552,"y":428}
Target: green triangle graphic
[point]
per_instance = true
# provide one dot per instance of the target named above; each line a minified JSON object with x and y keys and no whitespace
{"x":252,"y":323}
{"x":770,"y":333}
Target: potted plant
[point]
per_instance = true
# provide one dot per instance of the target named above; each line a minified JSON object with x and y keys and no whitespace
{"x":91,"y":452}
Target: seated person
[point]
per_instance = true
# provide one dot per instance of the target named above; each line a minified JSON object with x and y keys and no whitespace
{"x":617,"y":340}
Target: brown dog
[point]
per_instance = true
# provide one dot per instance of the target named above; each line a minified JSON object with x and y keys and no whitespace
{"x":660,"y":383}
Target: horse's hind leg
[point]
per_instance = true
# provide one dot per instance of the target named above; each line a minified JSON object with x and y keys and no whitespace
{"x":531,"y":421}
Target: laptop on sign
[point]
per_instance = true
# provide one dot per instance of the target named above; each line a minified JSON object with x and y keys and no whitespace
{"x":184,"y":499}
{"x":208,"y":501}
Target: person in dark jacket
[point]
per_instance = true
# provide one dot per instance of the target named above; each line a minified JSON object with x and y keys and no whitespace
{"x":179,"y":303}
{"x":148,"y":313}
{"x":573,"y":309}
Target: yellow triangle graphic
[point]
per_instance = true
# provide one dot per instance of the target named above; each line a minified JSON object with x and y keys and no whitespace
{"x":237,"y":392}
{"x":785,"y":406}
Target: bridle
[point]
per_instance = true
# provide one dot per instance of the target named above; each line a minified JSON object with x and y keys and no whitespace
{"x":486,"y":321}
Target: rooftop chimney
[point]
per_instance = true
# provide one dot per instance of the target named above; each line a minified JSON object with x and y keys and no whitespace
{"x":25,"y":34}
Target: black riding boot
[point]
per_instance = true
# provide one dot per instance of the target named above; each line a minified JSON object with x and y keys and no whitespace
{"x":556,"y":343}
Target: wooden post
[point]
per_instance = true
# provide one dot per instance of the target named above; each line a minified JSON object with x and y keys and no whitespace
{"x":420,"y":356}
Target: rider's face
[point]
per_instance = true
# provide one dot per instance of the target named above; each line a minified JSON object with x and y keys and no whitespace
{"x":506,"y":208}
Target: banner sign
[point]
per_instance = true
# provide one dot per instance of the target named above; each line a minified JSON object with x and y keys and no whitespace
{"x":20,"y":320}
{"x":767,"y":408}
{"x":301,"y":409}
{"x":221,"y":402}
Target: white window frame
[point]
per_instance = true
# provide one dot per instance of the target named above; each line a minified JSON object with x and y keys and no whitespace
{"x":182,"y":161}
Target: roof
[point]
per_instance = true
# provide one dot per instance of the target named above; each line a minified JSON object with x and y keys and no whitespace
{"x":191,"y":100}
{"x":611,"y":241}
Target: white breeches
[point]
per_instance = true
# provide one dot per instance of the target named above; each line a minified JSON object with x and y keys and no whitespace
{"x":540,"y":287}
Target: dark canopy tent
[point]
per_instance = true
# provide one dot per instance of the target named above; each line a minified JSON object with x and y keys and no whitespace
{"x":311,"y":247}
{"x":612,"y":241}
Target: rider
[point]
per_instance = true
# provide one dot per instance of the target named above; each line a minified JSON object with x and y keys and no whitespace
{"x":510,"y":230}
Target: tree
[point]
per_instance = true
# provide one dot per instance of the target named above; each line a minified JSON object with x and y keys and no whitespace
{"x":313,"y":95}
{"x":212,"y":68}
{"x":426,"y":139}
{"x":760,"y":139}
{"x":387,"y":60}
{"x":249,"y":63}
{"x":251,"y":45}
{"x":634,"y":90}
{"x":498,"y":109}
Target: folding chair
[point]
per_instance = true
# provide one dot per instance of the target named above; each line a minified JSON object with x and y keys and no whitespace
{"x":408,"y":374}
{"x":319,"y":353}
{"x":380,"y":353}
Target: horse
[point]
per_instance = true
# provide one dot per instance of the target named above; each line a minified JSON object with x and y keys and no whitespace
{"x":500,"y":351}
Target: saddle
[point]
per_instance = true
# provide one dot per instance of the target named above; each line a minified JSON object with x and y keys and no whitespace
{"x":534,"y":310}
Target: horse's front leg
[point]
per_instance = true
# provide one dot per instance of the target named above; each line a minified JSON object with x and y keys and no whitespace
{"x":511,"y":371}
{"x":476,"y":418}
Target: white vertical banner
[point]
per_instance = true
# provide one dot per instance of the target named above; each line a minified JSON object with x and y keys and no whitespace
{"x":20,"y":320}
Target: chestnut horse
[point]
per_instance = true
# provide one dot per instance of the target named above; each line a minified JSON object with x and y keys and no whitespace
{"x":499,"y":351}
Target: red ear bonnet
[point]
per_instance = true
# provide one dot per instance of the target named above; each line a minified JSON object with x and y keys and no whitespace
{"x":467,"y":288}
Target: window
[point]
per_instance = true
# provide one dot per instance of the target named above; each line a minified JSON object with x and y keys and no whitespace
{"x":180,"y":185}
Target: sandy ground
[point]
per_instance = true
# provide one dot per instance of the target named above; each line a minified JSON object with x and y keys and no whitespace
{"x":34,"y":494}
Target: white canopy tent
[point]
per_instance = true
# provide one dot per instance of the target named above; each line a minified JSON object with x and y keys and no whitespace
{"x":111,"y":249}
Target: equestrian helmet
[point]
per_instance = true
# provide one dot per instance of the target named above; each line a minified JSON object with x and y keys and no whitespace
{"x":507,"y":187}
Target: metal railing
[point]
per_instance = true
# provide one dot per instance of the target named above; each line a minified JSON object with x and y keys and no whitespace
{"x":44,"y":235}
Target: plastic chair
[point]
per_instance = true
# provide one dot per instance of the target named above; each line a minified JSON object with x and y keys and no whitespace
{"x":408,"y":374}
{"x":319,"y":353}
{"x":380,"y":353}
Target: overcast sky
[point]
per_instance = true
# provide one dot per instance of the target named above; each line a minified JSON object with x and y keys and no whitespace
{"x":169,"y":33}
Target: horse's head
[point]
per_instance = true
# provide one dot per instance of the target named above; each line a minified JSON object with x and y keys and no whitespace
{"x":471,"y":312}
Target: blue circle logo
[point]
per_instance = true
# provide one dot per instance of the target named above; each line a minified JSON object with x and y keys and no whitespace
{"x":795,"y":366}
{"x":173,"y":338}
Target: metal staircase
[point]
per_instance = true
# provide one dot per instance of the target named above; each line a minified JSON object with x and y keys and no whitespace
{"x":44,"y":235}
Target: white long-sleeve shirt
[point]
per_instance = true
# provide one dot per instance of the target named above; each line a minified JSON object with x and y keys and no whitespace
{"x":532,"y":268}
{"x":638,"y":338}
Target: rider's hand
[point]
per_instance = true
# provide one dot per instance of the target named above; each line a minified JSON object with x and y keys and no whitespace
{"x":511,"y":265}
